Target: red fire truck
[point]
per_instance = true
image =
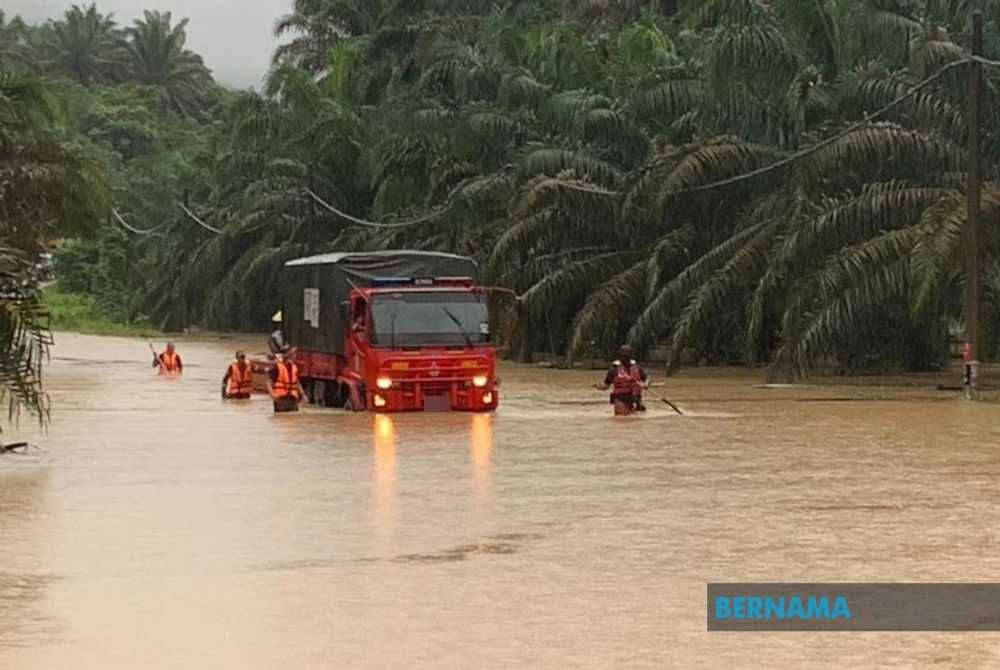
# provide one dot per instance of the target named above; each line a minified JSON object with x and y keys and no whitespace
{"x":390,"y":331}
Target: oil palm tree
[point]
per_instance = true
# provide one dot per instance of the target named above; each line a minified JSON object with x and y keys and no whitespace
{"x":748,"y":271}
{"x":158,"y":58}
{"x":304,"y":138}
{"x":824,"y":252}
{"x":316,"y":26}
{"x":24,"y":337}
{"x":576,"y":148}
{"x":14,"y":48}
{"x":47,"y":190}
{"x":84,"y":45}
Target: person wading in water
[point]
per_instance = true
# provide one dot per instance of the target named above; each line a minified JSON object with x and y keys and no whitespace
{"x":238,"y":382}
{"x":276,"y":343}
{"x":626,"y":379}
{"x":284,"y":385}
{"x":169,"y":361}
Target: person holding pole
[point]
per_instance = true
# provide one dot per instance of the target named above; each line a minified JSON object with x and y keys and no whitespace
{"x":169,"y":362}
{"x":627,"y":379}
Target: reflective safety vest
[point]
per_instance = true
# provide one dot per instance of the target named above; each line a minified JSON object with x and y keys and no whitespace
{"x":240,"y":380}
{"x":627,"y":381}
{"x":170,"y":364}
{"x":287,"y":383}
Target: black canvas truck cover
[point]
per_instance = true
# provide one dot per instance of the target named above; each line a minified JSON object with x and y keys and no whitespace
{"x":315,"y":287}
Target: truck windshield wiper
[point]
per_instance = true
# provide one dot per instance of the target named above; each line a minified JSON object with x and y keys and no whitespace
{"x":468,"y":340}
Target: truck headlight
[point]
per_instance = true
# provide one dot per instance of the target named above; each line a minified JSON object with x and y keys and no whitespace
{"x":379,"y":401}
{"x":383,"y":383}
{"x":487,"y":398}
{"x":479,"y":381}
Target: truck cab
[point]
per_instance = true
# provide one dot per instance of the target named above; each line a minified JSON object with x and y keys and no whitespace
{"x":392,"y":331}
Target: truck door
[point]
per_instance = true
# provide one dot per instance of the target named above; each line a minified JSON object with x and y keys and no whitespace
{"x":359,"y":333}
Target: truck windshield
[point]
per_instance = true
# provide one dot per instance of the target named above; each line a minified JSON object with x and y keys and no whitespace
{"x":432,"y":318}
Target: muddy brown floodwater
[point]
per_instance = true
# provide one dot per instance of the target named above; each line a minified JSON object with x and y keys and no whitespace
{"x":165,"y":528}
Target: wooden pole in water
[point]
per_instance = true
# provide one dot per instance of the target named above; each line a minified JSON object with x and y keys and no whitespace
{"x":973,"y":193}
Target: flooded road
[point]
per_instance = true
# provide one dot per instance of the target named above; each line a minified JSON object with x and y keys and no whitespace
{"x":165,"y":528}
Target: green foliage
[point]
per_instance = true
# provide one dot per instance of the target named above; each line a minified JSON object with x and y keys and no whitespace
{"x":48,"y":189}
{"x":24,"y":337}
{"x":80,"y":313}
{"x":98,"y":268}
{"x":157,"y":58}
{"x":89,"y":116}
{"x":572,"y":148}
{"x":83,"y":46}
{"x":123,"y":119}
{"x":14,"y":49}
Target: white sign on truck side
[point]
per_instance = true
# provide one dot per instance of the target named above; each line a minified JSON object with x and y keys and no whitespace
{"x":310,"y":306}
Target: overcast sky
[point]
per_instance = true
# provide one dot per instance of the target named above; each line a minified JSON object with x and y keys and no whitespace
{"x":235,"y":37}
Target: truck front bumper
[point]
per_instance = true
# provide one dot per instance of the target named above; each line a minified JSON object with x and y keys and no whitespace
{"x":418,"y":397}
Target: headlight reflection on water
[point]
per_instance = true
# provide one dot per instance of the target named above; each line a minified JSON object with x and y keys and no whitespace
{"x":481,"y":445}
{"x":384,"y":436}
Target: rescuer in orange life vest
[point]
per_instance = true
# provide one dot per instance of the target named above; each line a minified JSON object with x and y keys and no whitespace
{"x":238,"y":382}
{"x":169,"y":361}
{"x":626,"y":380}
{"x":284,"y":385}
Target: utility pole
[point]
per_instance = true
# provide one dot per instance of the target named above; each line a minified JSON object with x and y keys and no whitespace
{"x":972,"y":236}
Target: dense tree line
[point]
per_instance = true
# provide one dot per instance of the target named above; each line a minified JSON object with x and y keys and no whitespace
{"x":87,"y":112}
{"x":568,"y":147}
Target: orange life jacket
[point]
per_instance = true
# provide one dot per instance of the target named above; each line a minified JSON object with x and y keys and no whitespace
{"x":170,"y":363}
{"x":240,"y":380}
{"x":287,"y":383}
{"x":627,"y":381}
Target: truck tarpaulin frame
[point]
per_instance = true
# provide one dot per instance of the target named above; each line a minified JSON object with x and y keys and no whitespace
{"x":334,"y":275}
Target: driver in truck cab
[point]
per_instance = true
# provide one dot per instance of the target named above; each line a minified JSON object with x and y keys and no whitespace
{"x":360,"y":331}
{"x":358,"y":321}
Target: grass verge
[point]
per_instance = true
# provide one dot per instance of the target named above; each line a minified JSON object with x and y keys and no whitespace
{"x":81,"y":314}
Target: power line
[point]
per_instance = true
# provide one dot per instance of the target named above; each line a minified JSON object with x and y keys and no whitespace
{"x":830,"y":140}
{"x":199,"y":221}
{"x":587,"y":189}
{"x":375,"y":224}
{"x":985,"y":61}
{"x":598,"y":191}
{"x":118,"y":217}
